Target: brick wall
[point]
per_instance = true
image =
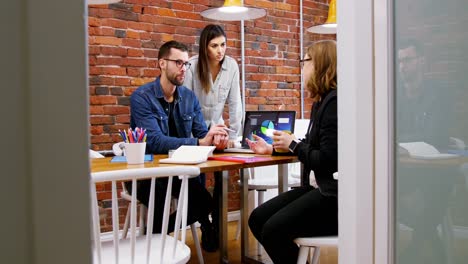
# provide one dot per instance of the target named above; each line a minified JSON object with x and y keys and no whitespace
{"x":123,"y":44}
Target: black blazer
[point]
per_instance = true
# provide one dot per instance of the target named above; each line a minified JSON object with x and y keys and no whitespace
{"x":319,"y":150}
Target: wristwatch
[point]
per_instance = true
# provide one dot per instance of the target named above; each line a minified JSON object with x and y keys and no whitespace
{"x":293,"y":145}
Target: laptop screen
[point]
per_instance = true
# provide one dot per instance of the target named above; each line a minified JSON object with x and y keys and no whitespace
{"x":260,"y":123}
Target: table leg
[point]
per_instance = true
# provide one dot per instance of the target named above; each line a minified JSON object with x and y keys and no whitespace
{"x":244,"y":213}
{"x":283,"y":175}
{"x":221,"y":193}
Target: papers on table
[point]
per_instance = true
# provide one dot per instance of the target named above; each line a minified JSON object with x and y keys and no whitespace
{"x":423,"y":150}
{"x":190,"y":155}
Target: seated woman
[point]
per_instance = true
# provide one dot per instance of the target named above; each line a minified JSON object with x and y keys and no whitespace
{"x":307,"y":211}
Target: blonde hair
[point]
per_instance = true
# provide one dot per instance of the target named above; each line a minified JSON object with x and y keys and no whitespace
{"x":323,"y":79}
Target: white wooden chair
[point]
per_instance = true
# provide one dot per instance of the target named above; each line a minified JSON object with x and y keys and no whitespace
{"x":309,"y":248}
{"x":141,"y":221}
{"x":151,"y":248}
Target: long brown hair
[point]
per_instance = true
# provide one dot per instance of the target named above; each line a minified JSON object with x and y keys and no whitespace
{"x":203,"y":70}
{"x":323,"y":79}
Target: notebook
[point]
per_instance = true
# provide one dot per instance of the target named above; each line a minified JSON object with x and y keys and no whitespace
{"x":262,"y":123}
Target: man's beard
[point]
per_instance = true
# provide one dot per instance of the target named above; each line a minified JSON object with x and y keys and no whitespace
{"x":174,"y":81}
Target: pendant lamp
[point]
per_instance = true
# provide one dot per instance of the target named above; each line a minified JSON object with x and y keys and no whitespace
{"x":233,"y":10}
{"x":102,"y":2}
{"x":330,"y":25}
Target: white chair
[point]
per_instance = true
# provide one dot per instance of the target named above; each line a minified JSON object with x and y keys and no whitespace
{"x":309,"y":248}
{"x":142,"y":208}
{"x":151,"y":248}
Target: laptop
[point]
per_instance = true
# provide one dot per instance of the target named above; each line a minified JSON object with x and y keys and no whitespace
{"x":262,"y":123}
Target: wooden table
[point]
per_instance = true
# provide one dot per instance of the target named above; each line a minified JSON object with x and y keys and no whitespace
{"x":220,"y":170}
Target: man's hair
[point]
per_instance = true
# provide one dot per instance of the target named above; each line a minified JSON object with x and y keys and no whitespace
{"x":411,"y":42}
{"x":324,"y":78}
{"x":165,"y":49}
{"x":203,"y":70}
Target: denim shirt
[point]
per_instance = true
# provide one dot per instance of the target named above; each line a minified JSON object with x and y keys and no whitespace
{"x":146,"y":112}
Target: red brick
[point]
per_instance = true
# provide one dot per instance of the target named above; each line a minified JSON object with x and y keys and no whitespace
{"x":182,"y":6}
{"x":94,"y":22}
{"x":135,"y":43}
{"x":134,"y":52}
{"x":114,"y":51}
{"x":113,"y":41}
{"x":133,"y":34}
{"x":96,"y":110}
{"x":134,"y":62}
{"x":101,"y":120}
{"x":187,"y":15}
{"x":102,"y":100}
{"x":123,"y":119}
{"x":96,"y":130}
{"x":116,"y":110}
{"x":134,"y":72}
{"x":165,"y":12}
{"x":122,"y":81}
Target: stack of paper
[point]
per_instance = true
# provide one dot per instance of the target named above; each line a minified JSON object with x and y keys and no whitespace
{"x":190,"y":155}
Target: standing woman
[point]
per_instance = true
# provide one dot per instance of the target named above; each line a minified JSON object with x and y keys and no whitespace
{"x":311,"y":210}
{"x":214,"y":77}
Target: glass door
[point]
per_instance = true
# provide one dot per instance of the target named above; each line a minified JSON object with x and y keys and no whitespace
{"x":430,"y":102}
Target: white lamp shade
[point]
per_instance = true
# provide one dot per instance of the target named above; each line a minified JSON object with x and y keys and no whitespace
{"x":329,"y":27}
{"x":323,"y":29}
{"x":233,"y":13}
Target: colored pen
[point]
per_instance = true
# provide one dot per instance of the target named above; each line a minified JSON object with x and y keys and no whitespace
{"x":140,"y":137}
{"x":229,"y":130}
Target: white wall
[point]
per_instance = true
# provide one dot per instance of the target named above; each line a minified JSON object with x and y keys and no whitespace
{"x":356,"y":131}
{"x":45,"y":200}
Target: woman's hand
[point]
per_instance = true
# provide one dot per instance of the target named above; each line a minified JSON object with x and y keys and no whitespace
{"x":259,"y":146}
{"x":282,"y":140}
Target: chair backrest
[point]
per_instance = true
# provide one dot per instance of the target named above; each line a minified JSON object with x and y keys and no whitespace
{"x":183,"y":172}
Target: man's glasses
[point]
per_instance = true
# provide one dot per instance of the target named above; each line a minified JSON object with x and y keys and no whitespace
{"x":180,"y":63}
{"x":301,"y":62}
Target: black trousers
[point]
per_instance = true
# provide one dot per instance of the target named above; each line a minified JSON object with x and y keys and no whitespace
{"x":301,"y":212}
{"x":200,"y":202}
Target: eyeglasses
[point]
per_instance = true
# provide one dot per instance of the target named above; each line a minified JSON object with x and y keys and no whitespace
{"x":180,"y":63}
{"x":301,"y":62}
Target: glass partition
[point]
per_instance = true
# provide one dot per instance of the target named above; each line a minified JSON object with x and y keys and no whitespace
{"x":431,"y":131}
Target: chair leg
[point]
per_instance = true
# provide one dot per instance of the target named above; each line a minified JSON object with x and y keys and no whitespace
{"x":303,"y":254}
{"x":238,"y":229}
{"x":196,"y":241}
{"x":142,"y":219}
{"x":127,"y":221}
{"x":316,"y":255}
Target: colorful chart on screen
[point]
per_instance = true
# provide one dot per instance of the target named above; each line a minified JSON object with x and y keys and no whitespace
{"x":267,"y":127}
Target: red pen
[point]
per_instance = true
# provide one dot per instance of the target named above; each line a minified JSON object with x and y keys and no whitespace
{"x":130,"y":136}
{"x":140,"y":137}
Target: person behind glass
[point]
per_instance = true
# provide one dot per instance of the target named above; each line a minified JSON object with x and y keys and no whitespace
{"x":423,"y":105}
{"x":424,"y":114}
{"x":214,"y":77}
{"x":171,"y":114}
{"x":307,"y":211}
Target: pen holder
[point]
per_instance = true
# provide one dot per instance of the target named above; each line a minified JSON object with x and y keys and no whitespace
{"x":135,"y":152}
